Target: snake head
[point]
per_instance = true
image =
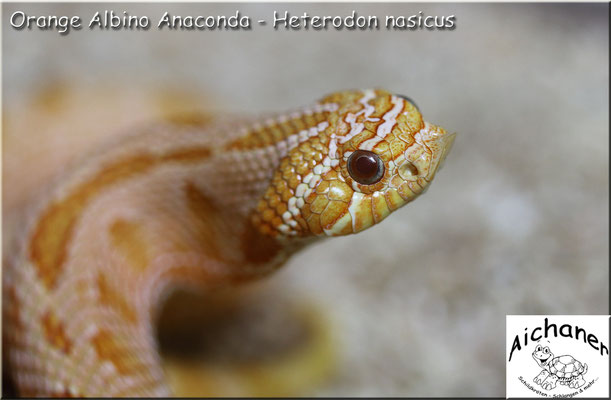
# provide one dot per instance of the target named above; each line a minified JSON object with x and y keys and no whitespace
{"x":372,"y":154}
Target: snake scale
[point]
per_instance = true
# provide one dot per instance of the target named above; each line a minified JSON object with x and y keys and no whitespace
{"x":196,"y":204}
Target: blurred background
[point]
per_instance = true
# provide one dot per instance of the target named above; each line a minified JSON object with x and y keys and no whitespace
{"x":515,"y":223}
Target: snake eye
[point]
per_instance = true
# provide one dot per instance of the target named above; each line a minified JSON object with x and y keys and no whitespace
{"x":410,"y":100}
{"x":365,"y":167}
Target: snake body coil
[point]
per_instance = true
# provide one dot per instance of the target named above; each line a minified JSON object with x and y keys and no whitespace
{"x":201,"y":206}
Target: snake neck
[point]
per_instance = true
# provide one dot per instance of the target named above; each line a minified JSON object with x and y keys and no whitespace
{"x":253,"y":173}
{"x":166,"y":208}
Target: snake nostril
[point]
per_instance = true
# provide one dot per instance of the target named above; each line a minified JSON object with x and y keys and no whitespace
{"x":407,"y":170}
{"x":410,"y":100}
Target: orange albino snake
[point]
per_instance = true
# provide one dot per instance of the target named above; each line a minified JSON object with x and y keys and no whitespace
{"x":193,"y":205}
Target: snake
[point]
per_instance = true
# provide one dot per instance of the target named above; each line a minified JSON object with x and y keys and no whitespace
{"x":200,"y":204}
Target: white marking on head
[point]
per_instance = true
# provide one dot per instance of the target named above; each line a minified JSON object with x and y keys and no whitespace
{"x":307,"y":178}
{"x":333,"y":146}
{"x":390,"y":118}
{"x":292,"y":206}
{"x":355,"y":202}
{"x":314,"y":181}
{"x":370,"y":144}
{"x":338,"y":226}
{"x":300,"y":190}
{"x":356,"y":128}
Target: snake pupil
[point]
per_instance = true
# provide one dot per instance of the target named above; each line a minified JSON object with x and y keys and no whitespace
{"x":365,"y":167}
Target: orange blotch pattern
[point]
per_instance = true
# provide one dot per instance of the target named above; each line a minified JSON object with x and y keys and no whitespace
{"x":112,"y":298}
{"x":116,"y":351}
{"x":129,"y":238}
{"x":206,"y":221}
{"x":48,"y":247}
{"x":55,"y":333}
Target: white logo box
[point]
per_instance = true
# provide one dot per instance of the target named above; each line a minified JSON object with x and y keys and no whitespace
{"x":561,"y":356}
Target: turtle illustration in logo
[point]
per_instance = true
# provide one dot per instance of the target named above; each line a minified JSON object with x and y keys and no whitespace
{"x":565,"y":370}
